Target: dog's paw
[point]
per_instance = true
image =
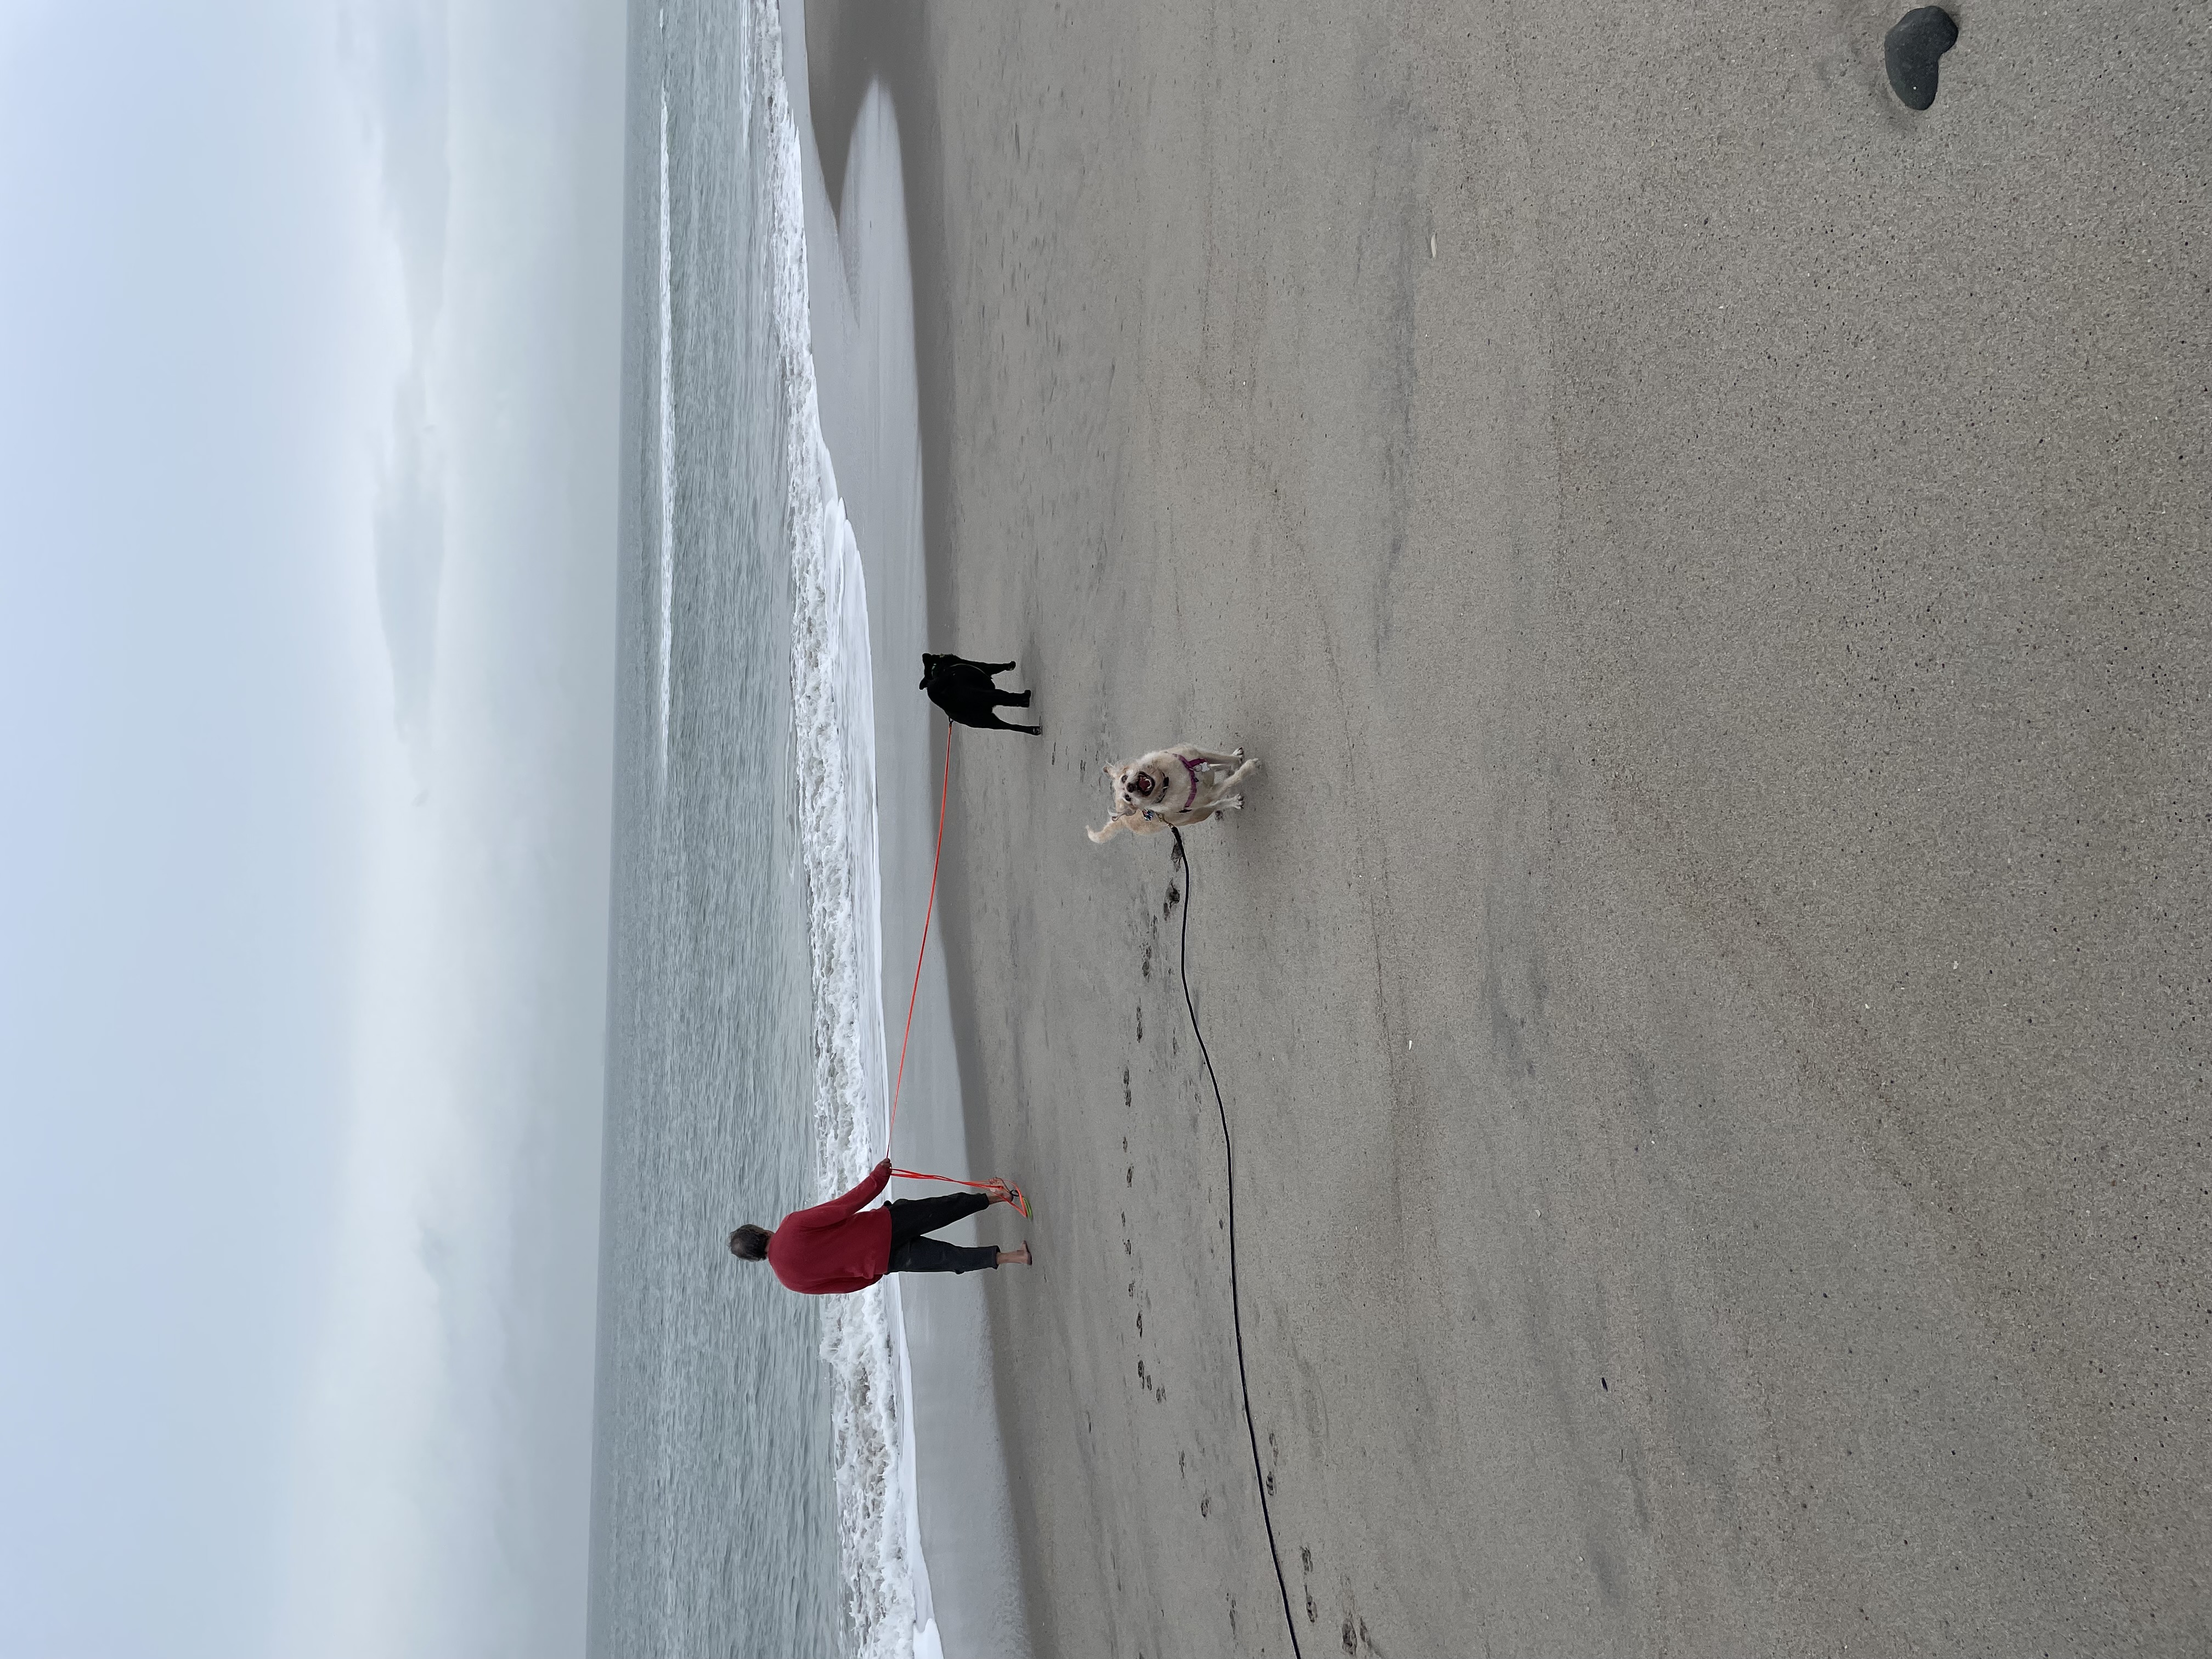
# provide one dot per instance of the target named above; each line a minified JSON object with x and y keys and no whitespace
{"x":1235,"y":802}
{"x":1238,"y":753}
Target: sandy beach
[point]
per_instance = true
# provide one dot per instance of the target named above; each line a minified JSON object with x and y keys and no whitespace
{"x":1709,"y":988}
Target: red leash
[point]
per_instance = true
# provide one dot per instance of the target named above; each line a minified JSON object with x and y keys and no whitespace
{"x":943,"y":793}
{"x":1004,"y":1189}
{"x":997,"y":1188}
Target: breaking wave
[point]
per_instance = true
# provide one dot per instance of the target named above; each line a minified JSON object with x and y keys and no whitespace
{"x":833,"y":724}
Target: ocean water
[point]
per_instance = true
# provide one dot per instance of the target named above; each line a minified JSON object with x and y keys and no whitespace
{"x":753,"y":1484}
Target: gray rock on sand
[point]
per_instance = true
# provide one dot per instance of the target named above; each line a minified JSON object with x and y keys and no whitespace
{"x":1912,"y":50}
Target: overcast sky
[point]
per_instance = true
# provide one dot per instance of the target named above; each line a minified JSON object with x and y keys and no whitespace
{"x":308,"y":345}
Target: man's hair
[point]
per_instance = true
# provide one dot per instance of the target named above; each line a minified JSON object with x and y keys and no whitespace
{"x":749,"y":1244}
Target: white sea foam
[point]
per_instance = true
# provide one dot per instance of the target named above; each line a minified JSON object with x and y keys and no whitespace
{"x":833,"y":722}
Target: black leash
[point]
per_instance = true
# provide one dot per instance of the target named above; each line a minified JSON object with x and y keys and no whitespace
{"x":1236,"y":1316}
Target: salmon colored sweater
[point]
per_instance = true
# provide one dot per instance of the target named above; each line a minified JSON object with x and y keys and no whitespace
{"x":837,"y":1246}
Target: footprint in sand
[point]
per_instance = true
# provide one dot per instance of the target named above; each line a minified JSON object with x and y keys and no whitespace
{"x":1911,"y":49}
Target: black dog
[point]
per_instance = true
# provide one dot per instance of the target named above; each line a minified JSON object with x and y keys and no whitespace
{"x":963,"y":690}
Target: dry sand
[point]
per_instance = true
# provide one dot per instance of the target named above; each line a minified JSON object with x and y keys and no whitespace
{"x":1710,"y":988}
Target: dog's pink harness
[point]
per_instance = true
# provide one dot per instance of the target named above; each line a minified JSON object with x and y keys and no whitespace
{"x":1193,"y":768}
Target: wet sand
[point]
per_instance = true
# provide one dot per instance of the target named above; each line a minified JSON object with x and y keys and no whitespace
{"x":861,"y":313}
{"x":1709,"y":988}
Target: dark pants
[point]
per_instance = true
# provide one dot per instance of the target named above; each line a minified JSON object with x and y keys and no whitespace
{"x":913,"y":1217}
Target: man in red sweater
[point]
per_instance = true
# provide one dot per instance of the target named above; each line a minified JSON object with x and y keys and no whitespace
{"x":839,"y":1247}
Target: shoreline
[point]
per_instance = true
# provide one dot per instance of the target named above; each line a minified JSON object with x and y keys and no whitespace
{"x":851,"y":46}
{"x":861,"y":307}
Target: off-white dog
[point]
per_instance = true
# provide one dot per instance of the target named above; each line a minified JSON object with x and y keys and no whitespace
{"x":1170,"y":788}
